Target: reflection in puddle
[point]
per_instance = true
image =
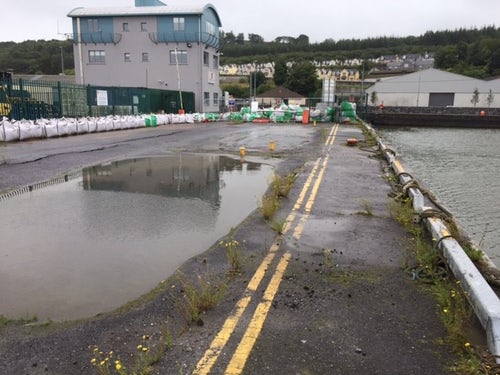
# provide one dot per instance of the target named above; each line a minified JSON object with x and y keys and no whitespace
{"x":78,"y":248}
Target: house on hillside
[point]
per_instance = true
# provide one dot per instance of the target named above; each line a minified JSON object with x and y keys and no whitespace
{"x":435,"y":88}
{"x":150,"y":45}
{"x":280,"y":95}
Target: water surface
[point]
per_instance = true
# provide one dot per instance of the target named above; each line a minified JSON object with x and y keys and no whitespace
{"x":91,"y":244}
{"x":460,"y":166}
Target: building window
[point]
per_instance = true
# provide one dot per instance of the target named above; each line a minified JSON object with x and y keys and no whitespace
{"x":206,"y":98}
{"x":97,"y":57}
{"x":178,"y":57}
{"x":210,"y":28}
{"x":205,"y":58}
{"x":216,"y":62}
{"x":125,"y":26}
{"x":126,"y":56}
{"x":145,"y":56}
{"x":178,"y":23}
{"x":144,"y":26}
{"x":216,"y":98}
{"x":93,"y":24}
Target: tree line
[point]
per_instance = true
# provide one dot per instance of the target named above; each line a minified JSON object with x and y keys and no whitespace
{"x":474,"y":52}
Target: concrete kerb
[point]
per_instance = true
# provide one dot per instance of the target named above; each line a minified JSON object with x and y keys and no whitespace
{"x":483,"y":299}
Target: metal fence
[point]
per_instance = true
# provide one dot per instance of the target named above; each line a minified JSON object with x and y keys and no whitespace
{"x":33,"y":99}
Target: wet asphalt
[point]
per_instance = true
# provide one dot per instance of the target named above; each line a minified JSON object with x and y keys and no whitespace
{"x":345,"y":303}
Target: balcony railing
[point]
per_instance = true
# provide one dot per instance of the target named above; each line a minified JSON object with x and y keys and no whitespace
{"x":185,"y":37}
{"x":97,"y":38}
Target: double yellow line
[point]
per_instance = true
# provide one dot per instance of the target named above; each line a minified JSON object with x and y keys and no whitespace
{"x":240,"y":356}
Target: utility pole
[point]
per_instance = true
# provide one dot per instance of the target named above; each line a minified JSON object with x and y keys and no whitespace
{"x":62,"y":61}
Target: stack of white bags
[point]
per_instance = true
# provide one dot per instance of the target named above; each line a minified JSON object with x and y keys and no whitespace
{"x":12,"y":130}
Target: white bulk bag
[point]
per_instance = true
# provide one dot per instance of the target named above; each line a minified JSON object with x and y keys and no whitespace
{"x":62,"y":127}
{"x":38,"y":129}
{"x":72,"y":127}
{"x":51,"y":128}
{"x":24,"y":130}
{"x":92,"y":124}
{"x":189,"y":118}
{"x":109,"y":123}
{"x":11,"y":131}
{"x":117,"y":124}
{"x":176,"y":119}
{"x":140,"y":122}
{"x":101,"y":124}
{"x":82,"y":126}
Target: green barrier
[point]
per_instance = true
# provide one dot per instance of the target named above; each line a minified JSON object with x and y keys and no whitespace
{"x":346,"y":106}
{"x":236,"y":117}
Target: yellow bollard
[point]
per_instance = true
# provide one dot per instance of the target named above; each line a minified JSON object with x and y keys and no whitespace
{"x":271,"y":146}
{"x":243,"y":151}
{"x":314,"y":123}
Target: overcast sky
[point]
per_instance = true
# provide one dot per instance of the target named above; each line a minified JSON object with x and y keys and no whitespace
{"x":318,"y":19}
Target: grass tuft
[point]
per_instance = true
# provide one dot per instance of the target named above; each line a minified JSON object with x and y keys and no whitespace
{"x":200,"y":297}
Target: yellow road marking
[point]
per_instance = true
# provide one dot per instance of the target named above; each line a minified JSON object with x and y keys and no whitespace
{"x":291,"y":217}
{"x":244,"y":348}
{"x":299,"y":228}
{"x":237,"y":363}
{"x":212,"y":353}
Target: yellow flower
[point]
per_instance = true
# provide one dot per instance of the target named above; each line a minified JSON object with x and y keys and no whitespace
{"x":467,"y":344}
{"x":93,"y":361}
{"x":139,"y":347}
{"x":118,"y":366}
{"x":102,"y":363}
{"x":144,"y":349}
{"x":445,"y":311}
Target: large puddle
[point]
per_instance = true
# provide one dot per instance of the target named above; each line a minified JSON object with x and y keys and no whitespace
{"x":90,"y":244}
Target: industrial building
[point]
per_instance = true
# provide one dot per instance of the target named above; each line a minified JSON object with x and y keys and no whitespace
{"x":150,"y":45}
{"x":434,"y":88}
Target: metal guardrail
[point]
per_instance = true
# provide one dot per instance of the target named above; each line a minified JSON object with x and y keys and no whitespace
{"x":483,"y":299}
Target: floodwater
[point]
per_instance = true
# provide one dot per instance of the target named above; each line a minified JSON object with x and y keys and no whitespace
{"x":90,"y":244}
{"x":460,"y":166}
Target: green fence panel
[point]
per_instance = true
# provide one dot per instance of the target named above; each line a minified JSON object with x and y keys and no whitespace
{"x":33,"y":99}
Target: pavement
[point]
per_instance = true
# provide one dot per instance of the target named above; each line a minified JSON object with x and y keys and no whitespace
{"x":330,"y":295}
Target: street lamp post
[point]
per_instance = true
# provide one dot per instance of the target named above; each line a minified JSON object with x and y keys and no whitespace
{"x":62,"y":61}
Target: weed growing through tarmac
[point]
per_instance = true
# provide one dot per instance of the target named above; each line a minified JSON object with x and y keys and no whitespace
{"x":278,"y":225}
{"x":4,"y":321}
{"x":454,"y":308}
{"x":367,"y":207}
{"x":281,"y":185}
{"x":146,"y":355}
{"x":328,"y":262}
{"x":269,"y":204}
{"x":199,"y":297}
{"x":280,"y":188}
{"x":234,"y":255}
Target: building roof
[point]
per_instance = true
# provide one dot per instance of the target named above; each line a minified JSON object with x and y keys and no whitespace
{"x":142,"y":11}
{"x":280,"y":92}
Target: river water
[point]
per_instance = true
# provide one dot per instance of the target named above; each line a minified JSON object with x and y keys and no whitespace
{"x":460,"y":166}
